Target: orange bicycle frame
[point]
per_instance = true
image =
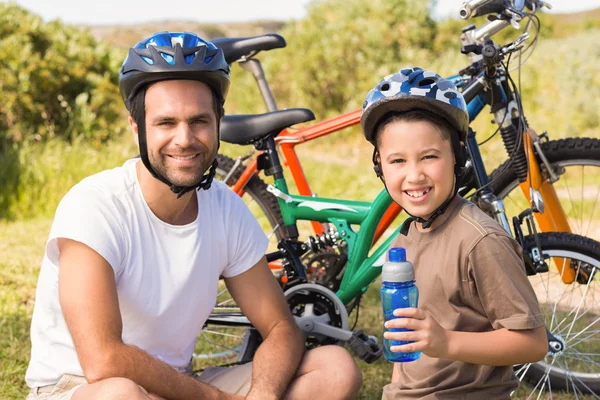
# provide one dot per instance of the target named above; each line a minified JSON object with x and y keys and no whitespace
{"x":554,"y":218}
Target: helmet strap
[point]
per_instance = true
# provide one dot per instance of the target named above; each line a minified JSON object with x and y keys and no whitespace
{"x":207,"y":179}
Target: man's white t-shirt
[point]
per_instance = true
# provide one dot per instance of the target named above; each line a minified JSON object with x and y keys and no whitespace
{"x":167,"y":275}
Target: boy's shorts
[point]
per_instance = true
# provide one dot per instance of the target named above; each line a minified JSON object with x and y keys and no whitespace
{"x":233,"y":380}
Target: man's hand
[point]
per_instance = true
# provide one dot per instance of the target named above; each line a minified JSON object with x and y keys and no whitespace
{"x":428,"y":336}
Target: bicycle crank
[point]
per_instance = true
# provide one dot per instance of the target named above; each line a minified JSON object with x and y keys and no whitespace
{"x":323,"y":318}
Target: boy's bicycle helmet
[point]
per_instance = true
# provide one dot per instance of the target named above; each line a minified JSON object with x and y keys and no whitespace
{"x":172,"y":55}
{"x":418,"y":89}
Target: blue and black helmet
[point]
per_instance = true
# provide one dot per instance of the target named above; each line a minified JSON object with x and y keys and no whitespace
{"x":173,"y":55}
{"x":411,"y":89}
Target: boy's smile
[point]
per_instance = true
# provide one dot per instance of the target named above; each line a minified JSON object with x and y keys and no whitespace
{"x":417,"y":164}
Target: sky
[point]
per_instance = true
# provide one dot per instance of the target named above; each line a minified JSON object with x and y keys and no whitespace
{"x":103,"y":12}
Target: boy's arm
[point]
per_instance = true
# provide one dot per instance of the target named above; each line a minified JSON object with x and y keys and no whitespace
{"x":395,"y":373}
{"x":498,"y":347}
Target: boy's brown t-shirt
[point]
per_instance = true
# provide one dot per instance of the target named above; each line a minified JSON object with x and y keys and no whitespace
{"x":471,"y":278}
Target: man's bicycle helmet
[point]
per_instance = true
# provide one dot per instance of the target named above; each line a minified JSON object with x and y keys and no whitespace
{"x":172,"y":55}
{"x":418,"y":89}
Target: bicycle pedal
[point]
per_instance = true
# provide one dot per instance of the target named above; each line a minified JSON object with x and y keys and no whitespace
{"x":365,"y":347}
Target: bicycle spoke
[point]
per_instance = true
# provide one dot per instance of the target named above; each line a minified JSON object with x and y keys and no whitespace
{"x":588,"y":338}
{"x":576,"y":388}
{"x":583,"y":330}
{"x":582,"y":357}
{"x":579,"y":307}
{"x":270,"y":235}
{"x":221,"y":334}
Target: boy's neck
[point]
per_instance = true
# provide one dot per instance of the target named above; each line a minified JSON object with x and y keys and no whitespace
{"x":438,"y":221}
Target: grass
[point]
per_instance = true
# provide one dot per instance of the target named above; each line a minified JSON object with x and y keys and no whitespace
{"x":21,"y":249}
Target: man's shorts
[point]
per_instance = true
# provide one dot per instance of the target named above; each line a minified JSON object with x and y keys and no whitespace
{"x":234,"y":380}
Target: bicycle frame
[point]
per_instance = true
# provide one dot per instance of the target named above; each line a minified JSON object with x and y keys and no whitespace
{"x":361,"y":269}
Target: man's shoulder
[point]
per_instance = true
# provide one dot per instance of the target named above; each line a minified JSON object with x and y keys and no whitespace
{"x":102,"y":187}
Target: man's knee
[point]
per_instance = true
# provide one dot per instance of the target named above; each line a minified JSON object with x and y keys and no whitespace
{"x":112,"y":389}
{"x":340,"y":368}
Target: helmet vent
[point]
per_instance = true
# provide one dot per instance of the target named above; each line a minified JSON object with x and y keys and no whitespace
{"x":426,"y":82}
{"x":385,"y":87}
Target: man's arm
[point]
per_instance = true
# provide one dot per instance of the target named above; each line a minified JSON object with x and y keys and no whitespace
{"x":259,"y":296}
{"x":88,"y":298}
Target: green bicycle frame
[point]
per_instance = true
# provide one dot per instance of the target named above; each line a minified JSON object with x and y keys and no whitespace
{"x":362,"y":268}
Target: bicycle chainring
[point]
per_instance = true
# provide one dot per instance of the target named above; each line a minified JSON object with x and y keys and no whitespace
{"x":317,"y":302}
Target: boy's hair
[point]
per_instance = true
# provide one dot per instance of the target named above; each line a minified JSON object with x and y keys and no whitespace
{"x":444,"y":128}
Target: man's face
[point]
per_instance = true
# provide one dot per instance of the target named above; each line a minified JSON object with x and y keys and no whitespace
{"x":181,"y":130}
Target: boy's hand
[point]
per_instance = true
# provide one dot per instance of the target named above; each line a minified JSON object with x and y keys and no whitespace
{"x":428,"y":336}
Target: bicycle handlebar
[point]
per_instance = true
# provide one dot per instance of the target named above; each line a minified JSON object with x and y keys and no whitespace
{"x":475,"y":8}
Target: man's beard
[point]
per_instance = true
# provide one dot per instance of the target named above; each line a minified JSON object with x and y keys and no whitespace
{"x":184,"y":177}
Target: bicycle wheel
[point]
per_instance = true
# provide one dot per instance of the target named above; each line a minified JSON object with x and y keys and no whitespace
{"x":227,"y":337}
{"x":577,"y":162}
{"x":262,"y":204}
{"x":572,"y":315}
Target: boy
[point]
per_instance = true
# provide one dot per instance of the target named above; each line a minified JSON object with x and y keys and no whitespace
{"x":478,"y":314}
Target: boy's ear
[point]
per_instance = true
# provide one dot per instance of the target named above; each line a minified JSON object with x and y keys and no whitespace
{"x":377,"y":166}
{"x":378,"y":171}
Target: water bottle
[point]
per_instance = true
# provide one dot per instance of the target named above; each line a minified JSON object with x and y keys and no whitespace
{"x":398,"y":291}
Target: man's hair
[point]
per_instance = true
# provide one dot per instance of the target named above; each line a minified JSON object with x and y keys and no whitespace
{"x":217,"y":108}
{"x":443,"y":126}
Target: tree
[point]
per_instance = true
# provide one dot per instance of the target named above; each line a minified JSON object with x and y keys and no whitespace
{"x":55,"y":81}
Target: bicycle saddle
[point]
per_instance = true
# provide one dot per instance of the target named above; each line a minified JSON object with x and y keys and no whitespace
{"x":235,"y":48}
{"x":246,"y":129}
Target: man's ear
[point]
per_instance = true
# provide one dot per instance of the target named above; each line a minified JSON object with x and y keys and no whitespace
{"x":134,"y":130}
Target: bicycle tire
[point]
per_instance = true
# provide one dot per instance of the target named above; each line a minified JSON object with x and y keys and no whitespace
{"x":572,"y":159}
{"x":567,"y":310}
{"x":256,"y":188}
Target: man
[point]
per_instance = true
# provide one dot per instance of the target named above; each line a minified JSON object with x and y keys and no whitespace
{"x":135,"y":253}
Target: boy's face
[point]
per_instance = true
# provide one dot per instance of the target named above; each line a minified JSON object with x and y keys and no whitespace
{"x":417,"y":165}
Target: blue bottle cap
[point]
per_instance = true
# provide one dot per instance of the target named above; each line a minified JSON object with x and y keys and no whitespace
{"x":397,"y":254}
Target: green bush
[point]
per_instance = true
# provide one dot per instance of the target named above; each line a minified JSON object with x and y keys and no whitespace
{"x":55,"y":81}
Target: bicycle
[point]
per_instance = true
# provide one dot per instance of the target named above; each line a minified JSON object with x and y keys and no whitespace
{"x":571,"y":254}
{"x":543,"y":165}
